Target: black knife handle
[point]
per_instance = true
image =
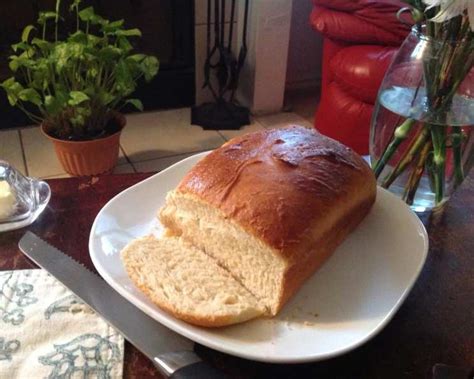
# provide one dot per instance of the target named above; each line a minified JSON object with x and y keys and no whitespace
{"x":198,"y":370}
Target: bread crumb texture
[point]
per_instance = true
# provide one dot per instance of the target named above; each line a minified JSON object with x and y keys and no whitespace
{"x":187,"y":283}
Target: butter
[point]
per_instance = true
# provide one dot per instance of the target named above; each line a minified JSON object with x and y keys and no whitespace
{"x":7,"y":200}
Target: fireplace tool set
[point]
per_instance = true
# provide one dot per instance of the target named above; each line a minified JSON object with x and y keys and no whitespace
{"x":223,"y":65}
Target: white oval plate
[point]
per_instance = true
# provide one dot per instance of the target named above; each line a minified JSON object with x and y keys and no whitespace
{"x":349,"y":300}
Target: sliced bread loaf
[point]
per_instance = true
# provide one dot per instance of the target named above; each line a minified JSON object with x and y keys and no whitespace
{"x":271,"y":207}
{"x":249,"y":224}
{"x":187,"y":283}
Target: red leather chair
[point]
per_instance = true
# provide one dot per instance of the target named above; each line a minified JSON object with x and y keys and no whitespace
{"x":360,"y":39}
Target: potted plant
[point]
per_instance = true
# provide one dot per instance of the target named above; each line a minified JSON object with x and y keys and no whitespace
{"x":75,"y":86}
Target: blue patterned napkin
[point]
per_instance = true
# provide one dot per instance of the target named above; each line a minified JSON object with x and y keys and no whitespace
{"x":47,"y":332}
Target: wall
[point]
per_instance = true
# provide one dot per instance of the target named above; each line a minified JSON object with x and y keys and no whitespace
{"x":263,"y":76}
{"x":305,"y":49}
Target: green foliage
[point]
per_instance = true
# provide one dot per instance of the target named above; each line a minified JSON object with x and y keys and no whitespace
{"x":77,"y":83}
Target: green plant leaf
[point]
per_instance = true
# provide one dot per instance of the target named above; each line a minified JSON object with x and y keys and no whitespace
{"x":98,"y":20}
{"x":48,"y":102}
{"x":124,"y":44}
{"x":30,"y":95}
{"x":78,"y":120}
{"x":136,"y":103}
{"x":134,"y":67}
{"x":44,"y":16}
{"x":109,"y":53}
{"x":105,"y":97}
{"x":12,"y":88}
{"x":113,"y":26}
{"x":20,"y":46}
{"x":64,"y":54}
{"x":93,"y":40}
{"x":137,"y":57}
{"x":77,"y":97}
{"x":78,"y":37}
{"x":12,"y":85}
{"x":57,"y":103}
{"x":81,"y":116}
{"x":42,"y":44}
{"x":86,"y":14}
{"x":124,"y":84}
{"x":26,"y":33}
{"x":14,"y":65}
{"x":124,"y":81}
{"x":150,"y":67}
{"x":8,"y":82}
{"x":21,"y":60}
{"x":41,"y":75}
{"x":129,"y":33}
{"x":116,"y":24}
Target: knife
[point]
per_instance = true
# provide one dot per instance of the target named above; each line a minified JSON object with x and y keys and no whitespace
{"x":171,"y":353}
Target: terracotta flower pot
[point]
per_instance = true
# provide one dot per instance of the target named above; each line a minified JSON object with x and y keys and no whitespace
{"x":83,"y":158}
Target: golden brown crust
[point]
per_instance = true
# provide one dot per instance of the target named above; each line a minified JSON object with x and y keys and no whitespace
{"x":297,"y":274}
{"x":288,"y":187}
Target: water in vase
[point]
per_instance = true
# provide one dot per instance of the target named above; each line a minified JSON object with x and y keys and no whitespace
{"x":397,"y":104}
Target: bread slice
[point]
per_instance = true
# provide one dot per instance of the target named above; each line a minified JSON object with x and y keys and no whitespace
{"x":185,"y":282}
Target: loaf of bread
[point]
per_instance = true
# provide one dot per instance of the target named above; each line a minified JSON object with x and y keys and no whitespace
{"x":269,"y":208}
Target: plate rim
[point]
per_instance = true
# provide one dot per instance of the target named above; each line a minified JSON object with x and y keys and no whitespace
{"x":216,"y":345}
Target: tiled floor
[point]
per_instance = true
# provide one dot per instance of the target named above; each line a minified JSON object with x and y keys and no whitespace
{"x":150,"y":142}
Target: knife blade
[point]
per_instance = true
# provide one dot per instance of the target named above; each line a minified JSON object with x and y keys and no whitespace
{"x":170,"y":352}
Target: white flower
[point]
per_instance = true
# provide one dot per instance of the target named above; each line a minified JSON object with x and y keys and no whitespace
{"x":452,"y":8}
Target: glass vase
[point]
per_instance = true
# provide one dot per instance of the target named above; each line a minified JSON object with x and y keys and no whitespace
{"x":421,"y":139}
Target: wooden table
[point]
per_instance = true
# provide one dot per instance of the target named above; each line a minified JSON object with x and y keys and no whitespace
{"x":434,"y":325}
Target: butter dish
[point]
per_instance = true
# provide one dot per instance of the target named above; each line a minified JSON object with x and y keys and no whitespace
{"x":22,"y":199}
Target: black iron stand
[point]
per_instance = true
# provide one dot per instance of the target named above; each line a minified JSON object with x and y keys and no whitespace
{"x":223,"y":113}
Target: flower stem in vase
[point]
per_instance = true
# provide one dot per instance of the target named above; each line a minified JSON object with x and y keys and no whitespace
{"x":456,"y":141}
{"x":415,"y":176}
{"x":438,"y":137}
{"x":399,"y":135}
{"x":418,"y":142}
